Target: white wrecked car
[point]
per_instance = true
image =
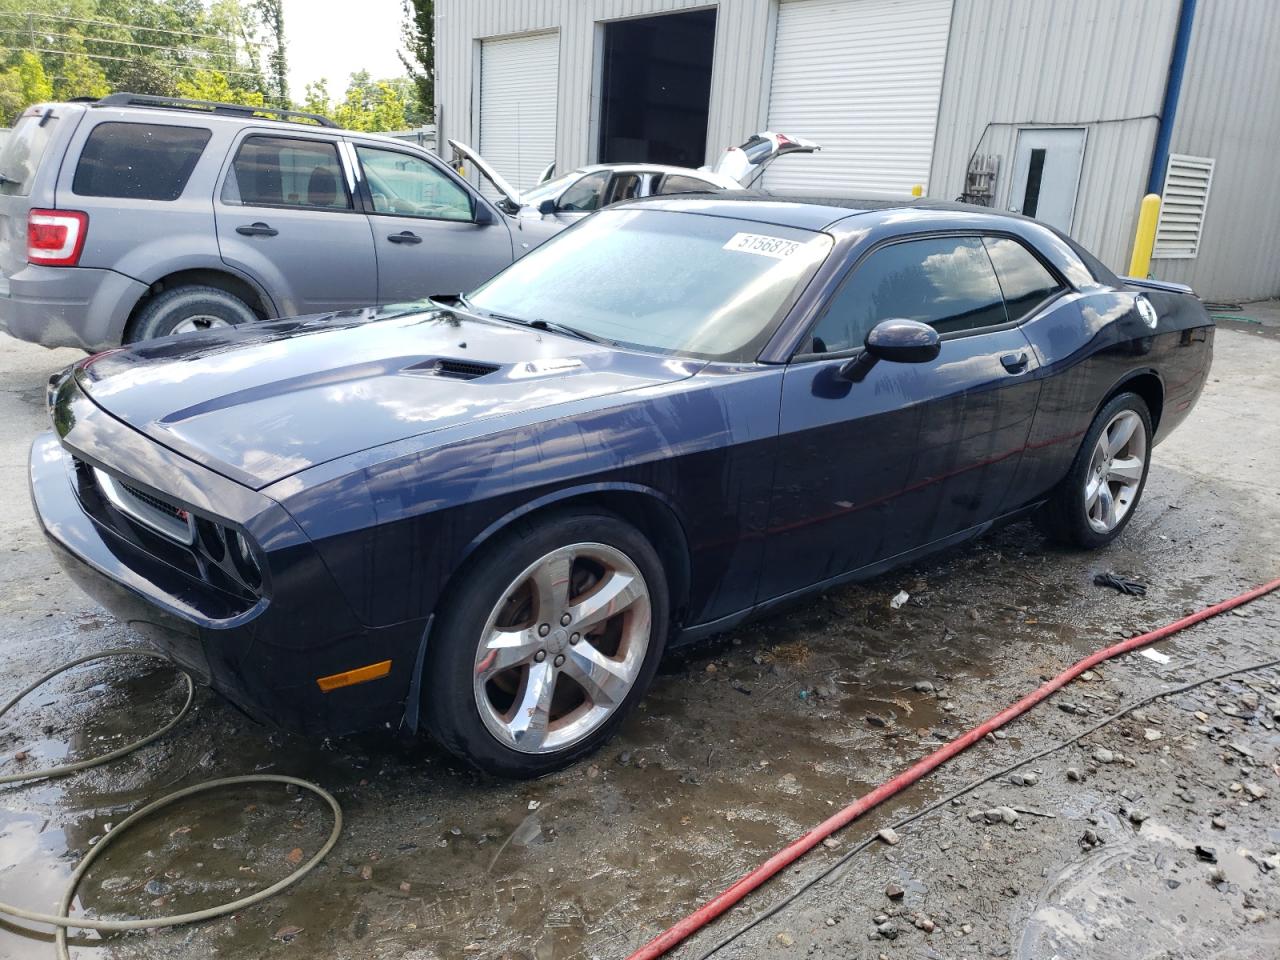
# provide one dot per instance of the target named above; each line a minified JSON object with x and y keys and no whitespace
{"x":571,"y":196}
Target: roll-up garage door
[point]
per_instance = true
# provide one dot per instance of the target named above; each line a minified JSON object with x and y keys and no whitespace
{"x":518,"y":87}
{"x":863,"y":78}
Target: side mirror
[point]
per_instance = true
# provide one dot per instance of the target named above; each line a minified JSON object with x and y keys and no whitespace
{"x":903,"y":341}
{"x":898,"y":341}
{"x":483,"y":216}
{"x":546,"y":207}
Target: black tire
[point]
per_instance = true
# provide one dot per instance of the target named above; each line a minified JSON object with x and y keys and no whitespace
{"x":449,"y":705}
{"x":163,"y":314}
{"x":1065,"y":516}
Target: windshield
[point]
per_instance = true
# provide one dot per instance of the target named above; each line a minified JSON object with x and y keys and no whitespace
{"x":23,"y":150}
{"x":681,"y":283}
{"x":549,"y":190}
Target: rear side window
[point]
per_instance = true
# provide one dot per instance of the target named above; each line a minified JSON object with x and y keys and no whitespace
{"x":138,"y":161}
{"x":23,"y":150}
{"x":1026,"y":281}
{"x":675,"y":183}
{"x":946,"y":282}
{"x":284,"y":172}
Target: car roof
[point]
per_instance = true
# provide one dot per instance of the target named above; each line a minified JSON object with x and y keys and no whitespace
{"x":842,"y":216}
{"x":648,"y":168}
{"x":141,"y":112}
{"x":811,"y":213}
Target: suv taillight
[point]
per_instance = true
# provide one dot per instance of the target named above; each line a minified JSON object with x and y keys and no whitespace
{"x":56,"y":237}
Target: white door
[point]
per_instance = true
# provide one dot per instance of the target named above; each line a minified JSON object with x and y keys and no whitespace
{"x":518,"y":91}
{"x":863,"y":78}
{"x":1046,"y":174}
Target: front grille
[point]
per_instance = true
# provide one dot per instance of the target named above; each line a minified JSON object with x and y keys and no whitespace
{"x":151,"y":511}
{"x":155,"y":502}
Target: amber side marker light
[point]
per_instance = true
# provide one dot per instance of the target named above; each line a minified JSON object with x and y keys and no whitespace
{"x":348,"y":678}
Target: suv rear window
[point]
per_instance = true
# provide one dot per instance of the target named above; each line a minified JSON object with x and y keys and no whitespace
{"x":24,"y":149}
{"x":138,"y":161}
{"x":284,"y":172}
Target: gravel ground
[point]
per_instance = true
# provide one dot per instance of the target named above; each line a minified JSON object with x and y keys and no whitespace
{"x":1169,"y":849}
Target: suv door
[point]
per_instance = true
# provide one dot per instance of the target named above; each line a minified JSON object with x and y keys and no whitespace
{"x":914,"y":453}
{"x":427,"y":238}
{"x":286,"y":215}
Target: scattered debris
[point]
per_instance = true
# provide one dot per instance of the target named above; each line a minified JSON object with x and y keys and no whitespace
{"x":1103,"y":755}
{"x":286,"y":934}
{"x":894,"y":892}
{"x":1131,"y":588}
{"x":899,"y":599}
{"x":888,"y":835}
{"x":1153,"y":654}
{"x":294,"y":856}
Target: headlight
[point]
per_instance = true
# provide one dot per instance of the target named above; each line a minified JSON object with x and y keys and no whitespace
{"x":244,"y":559}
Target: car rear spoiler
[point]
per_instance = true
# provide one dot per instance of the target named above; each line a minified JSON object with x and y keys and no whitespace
{"x":746,"y":163}
{"x":1163,"y":285}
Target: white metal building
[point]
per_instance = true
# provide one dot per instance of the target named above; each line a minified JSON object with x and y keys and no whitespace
{"x":1052,"y":107}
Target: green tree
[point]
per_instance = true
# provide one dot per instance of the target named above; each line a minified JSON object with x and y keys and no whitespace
{"x":372,"y":105}
{"x":211,"y":85}
{"x":419,"y":55}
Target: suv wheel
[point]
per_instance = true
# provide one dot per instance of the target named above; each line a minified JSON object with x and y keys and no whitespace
{"x":187,"y":310}
{"x":546,"y":644}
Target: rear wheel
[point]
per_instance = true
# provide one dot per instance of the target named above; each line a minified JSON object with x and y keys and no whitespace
{"x":1100,"y":493}
{"x":548,"y":642}
{"x":188,"y":309}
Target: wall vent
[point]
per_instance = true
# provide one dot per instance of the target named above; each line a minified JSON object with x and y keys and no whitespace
{"x":1186,"y":195}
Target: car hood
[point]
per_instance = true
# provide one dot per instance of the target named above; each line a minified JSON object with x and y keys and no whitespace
{"x":262,"y":402}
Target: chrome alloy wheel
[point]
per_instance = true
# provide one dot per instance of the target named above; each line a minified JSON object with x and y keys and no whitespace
{"x":1115,"y":471}
{"x":200,"y":321}
{"x":562,"y":648}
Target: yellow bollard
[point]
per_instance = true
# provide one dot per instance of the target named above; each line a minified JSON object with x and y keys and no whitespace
{"x":1144,"y":240}
{"x":918,"y":190}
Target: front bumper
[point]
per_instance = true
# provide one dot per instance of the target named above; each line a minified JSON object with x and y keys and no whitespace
{"x":81,"y":307}
{"x":264,"y":656}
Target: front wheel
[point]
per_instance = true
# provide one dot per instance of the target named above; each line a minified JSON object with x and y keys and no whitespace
{"x":551,"y":637}
{"x":1098,"y":496}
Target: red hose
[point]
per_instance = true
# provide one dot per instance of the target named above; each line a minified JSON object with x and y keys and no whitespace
{"x":712,"y":909}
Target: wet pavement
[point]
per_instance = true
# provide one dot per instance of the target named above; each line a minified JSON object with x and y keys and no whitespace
{"x":742,"y":744}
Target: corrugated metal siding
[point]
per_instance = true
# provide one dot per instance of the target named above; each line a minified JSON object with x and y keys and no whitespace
{"x":1230,"y":111}
{"x":1093,"y":63}
{"x":518,"y":99}
{"x":861,"y":77}
{"x":737,"y":79}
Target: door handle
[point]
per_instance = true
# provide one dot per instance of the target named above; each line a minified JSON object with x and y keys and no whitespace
{"x":258,"y":229}
{"x":1015,"y":362}
{"x":404,"y":237}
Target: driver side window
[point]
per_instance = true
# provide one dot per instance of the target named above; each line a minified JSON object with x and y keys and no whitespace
{"x":946,"y":282}
{"x":586,"y":194}
{"x":408,"y":186}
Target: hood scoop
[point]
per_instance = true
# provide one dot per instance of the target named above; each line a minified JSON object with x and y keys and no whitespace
{"x":453,"y":369}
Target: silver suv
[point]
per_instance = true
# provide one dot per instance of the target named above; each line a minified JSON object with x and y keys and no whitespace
{"x":132,"y":217}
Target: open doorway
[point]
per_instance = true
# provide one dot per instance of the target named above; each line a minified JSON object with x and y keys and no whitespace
{"x":656,"y":88}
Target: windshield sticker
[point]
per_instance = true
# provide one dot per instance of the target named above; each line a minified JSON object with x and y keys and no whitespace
{"x":774,"y":247}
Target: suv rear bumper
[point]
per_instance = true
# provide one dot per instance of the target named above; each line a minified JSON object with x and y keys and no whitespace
{"x":81,"y":307}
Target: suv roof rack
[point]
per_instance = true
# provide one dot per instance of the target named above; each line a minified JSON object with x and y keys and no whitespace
{"x":209,"y":106}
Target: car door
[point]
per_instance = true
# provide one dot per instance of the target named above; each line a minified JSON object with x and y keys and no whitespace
{"x":914,"y":453}
{"x":427,"y":236}
{"x":286,"y":215}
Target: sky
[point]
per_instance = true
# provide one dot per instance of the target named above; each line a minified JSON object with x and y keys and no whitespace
{"x":332,"y":39}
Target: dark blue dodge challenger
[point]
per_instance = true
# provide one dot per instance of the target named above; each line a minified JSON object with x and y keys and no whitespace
{"x":489,"y":515}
